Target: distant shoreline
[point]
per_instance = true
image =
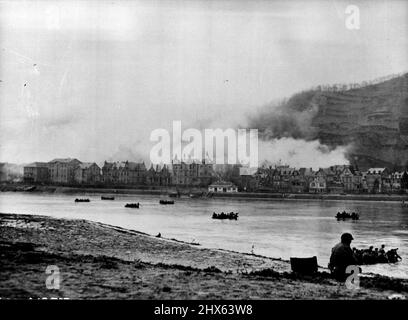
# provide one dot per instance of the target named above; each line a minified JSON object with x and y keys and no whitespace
{"x":184,"y":192}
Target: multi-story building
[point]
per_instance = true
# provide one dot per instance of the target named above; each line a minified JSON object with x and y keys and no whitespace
{"x":191,"y":174}
{"x":132,"y":173}
{"x":395,"y":180}
{"x":249,"y":179}
{"x":265,"y":176}
{"x":318,"y":184}
{"x":282,"y":178}
{"x":346,"y":177}
{"x":63,"y":170}
{"x":351,"y":179}
{"x":36,"y":172}
{"x":158,"y":176}
{"x":124,"y":173}
{"x":205,"y":173}
{"x":87,"y":173}
{"x":110,"y":173}
{"x":306,"y":175}
{"x":374,"y":179}
{"x":297,"y":182}
{"x":181,"y":173}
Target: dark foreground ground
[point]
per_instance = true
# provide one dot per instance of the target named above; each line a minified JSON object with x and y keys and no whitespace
{"x":98,"y":261}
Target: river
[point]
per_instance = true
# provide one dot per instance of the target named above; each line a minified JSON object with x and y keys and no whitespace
{"x":274,"y":228}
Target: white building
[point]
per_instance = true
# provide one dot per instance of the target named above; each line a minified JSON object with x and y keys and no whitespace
{"x":222,"y":186}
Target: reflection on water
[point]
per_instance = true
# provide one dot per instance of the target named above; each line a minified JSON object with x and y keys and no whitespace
{"x":275,"y":228}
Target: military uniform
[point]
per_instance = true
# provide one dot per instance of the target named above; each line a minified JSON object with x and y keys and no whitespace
{"x":341,"y":257}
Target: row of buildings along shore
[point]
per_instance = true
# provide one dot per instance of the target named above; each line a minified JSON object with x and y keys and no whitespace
{"x":218,"y":178}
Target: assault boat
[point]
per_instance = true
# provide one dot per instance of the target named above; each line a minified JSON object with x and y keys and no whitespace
{"x":132,"y":205}
{"x":222,"y":216}
{"x":107,"y":198}
{"x":346,"y":215}
{"x":166,"y":202}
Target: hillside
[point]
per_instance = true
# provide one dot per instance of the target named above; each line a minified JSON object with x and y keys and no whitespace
{"x":371,"y":120}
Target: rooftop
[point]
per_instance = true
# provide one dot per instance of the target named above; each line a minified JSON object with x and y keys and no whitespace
{"x":86,"y":165}
{"x":222,"y":184}
{"x":64,"y":160}
{"x":375,"y":170}
{"x":36,"y":164}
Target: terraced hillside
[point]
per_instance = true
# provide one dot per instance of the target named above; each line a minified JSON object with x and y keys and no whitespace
{"x":372,"y":120}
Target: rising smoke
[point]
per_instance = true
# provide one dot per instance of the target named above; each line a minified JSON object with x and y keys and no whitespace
{"x":287,"y":134}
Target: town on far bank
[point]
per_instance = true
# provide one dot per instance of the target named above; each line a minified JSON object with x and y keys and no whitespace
{"x":213,"y":178}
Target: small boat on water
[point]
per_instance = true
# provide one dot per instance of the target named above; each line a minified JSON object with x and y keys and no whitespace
{"x":132,"y":205}
{"x":107,"y":198}
{"x":222,"y":216}
{"x":82,"y":200}
{"x":166,"y":201}
{"x":404,"y":204}
{"x":346,"y":215}
{"x":374,"y":256}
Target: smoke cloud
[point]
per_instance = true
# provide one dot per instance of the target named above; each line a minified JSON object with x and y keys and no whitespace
{"x":300,"y":153}
{"x":288,"y":135}
{"x":290,"y":118}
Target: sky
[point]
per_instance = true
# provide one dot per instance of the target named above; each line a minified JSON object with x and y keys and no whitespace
{"x":92,"y":79}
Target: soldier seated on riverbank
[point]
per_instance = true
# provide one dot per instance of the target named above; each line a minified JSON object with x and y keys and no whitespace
{"x":341,"y":257}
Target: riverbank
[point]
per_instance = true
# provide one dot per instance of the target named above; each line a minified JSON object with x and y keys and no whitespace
{"x":98,"y":261}
{"x":202,"y":193}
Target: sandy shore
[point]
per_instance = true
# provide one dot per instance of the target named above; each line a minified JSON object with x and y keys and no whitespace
{"x":98,"y":261}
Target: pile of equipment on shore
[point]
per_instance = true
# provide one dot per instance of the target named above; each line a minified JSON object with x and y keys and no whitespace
{"x":377,"y":255}
{"x":222,"y":215}
{"x":347,"y":215}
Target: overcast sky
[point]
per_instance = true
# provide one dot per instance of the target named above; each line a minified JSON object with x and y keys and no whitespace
{"x":91,"y":79}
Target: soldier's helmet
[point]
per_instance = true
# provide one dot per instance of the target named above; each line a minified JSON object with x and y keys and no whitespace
{"x":346,"y":237}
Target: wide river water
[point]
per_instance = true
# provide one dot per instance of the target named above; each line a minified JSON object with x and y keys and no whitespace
{"x":274,"y":228}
